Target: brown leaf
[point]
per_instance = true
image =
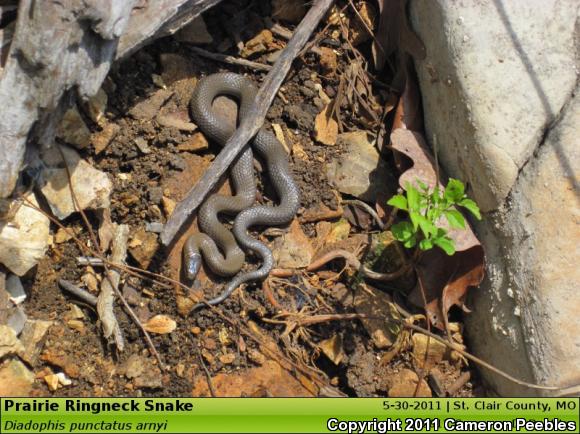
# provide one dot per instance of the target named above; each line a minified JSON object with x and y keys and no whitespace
{"x":325,"y":127}
{"x":394,"y":33}
{"x":160,"y":324}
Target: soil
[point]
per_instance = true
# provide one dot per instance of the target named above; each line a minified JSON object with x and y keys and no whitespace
{"x":235,"y":340}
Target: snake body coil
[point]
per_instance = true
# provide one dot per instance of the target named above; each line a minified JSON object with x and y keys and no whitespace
{"x":231,"y":261}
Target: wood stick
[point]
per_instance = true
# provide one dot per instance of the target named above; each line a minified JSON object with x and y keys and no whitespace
{"x":249,"y":125}
{"x":230,"y":59}
{"x":85,"y":296}
{"x":110,"y":285}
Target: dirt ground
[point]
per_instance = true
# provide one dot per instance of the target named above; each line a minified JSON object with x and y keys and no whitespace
{"x":254,"y":343}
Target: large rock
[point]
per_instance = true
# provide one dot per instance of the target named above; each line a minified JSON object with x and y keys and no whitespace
{"x":497,"y":85}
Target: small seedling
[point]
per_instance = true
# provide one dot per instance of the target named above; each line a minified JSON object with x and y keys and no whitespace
{"x":426,"y":209}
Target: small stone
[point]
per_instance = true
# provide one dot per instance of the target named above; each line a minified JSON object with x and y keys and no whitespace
{"x":155,"y":227}
{"x":73,"y":130}
{"x":77,"y":325}
{"x":74,"y":312}
{"x":405,"y":383}
{"x":272,"y":57}
{"x":291,"y":11}
{"x":51,"y":382}
{"x":207,"y":356}
{"x":103,"y":138}
{"x":209,"y":343}
{"x":17,"y":320}
{"x":24,"y":240}
{"x":257,"y":357}
{"x":195,"y":330}
{"x":184,"y":305}
{"x":227,"y":359}
{"x":328,"y":59}
{"x":196,"y":143}
{"x":359,"y":170}
{"x":15,"y":379}
{"x":258,"y":44}
{"x":97,"y":105}
{"x":61,"y":360}
{"x":435,"y":354}
{"x":143,"y":247}
{"x":32,"y":338}
{"x":91,"y":282}
{"x":15,"y":289}
{"x":293,"y":249}
{"x":148,"y":108}
{"x":195,"y":32}
{"x":92,"y":187}
{"x":180,"y":370}
{"x":168,"y":205}
{"x":9,"y":343}
{"x":174,"y":120}
{"x":332,"y":348}
{"x":63,"y":235}
{"x":142,"y":145}
{"x":63,"y":380}
{"x":160,"y":324}
{"x":134,"y":366}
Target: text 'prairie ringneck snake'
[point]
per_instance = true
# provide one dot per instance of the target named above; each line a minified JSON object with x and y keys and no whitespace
{"x":220,"y":247}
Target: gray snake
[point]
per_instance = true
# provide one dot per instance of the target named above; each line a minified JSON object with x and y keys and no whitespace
{"x":215,"y":242}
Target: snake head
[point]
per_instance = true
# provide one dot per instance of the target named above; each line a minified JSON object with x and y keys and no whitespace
{"x":192,"y":265}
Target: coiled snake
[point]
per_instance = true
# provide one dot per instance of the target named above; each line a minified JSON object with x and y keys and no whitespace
{"x":215,"y":242}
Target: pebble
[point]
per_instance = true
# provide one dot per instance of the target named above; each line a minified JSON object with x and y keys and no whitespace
{"x":15,"y":289}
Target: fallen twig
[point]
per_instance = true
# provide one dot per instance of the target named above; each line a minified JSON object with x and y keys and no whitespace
{"x":78,"y":292}
{"x":231,"y":60}
{"x":249,"y":125}
{"x":368,"y":209}
{"x":459,"y":383}
{"x":352,"y":261}
{"x":110,"y":285}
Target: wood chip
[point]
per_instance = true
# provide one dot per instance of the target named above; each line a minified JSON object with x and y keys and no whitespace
{"x":325,"y":127}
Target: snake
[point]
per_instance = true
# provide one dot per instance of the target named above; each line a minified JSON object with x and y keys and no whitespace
{"x":222,"y":249}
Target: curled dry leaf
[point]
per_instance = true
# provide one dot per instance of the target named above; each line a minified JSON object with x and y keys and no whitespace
{"x":326,"y":127}
{"x":445,"y":279}
{"x":160,"y":324}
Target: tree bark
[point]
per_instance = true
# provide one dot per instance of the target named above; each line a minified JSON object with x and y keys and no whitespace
{"x":57,"y":47}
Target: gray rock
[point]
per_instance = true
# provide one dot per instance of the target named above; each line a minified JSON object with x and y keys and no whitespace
{"x":73,"y":129}
{"x":91,"y":187}
{"x":195,"y":32}
{"x":359,"y":170}
{"x":17,"y":320}
{"x":15,"y":289}
{"x":497,"y":85}
{"x":497,"y":73}
{"x":32,"y":338}
{"x":24,"y":240}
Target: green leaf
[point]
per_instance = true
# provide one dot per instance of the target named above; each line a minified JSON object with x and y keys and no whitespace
{"x":446,"y":244}
{"x":426,"y":226}
{"x":455,"y":219}
{"x":403,"y":231}
{"x":424,"y":187}
{"x":426,"y":244}
{"x":413,"y":198}
{"x":454,"y":191}
{"x":398,"y":201}
{"x":471,"y":206}
{"x":411,"y":242}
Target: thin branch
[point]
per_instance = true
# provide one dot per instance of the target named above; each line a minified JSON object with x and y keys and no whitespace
{"x":231,"y":60}
{"x":249,"y":126}
{"x":85,"y":296}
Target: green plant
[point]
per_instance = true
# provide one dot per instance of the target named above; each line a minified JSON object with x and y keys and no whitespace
{"x":426,"y":209}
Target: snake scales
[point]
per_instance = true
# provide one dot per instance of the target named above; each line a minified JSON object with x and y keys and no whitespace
{"x":220,"y":248}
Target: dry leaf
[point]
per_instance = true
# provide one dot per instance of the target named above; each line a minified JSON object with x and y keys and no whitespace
{"x":160,"y":324}
{"x":332,"y":348}
{"x":394,"y":33}
{"x":325,"y":127}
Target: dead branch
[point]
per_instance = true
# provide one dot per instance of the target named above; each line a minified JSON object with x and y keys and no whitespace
{"x":110,"y":285}
{"x":353,"y":262}
{"x":85,"y":296}
{"x":231,"y":60}
{"x":249,"y":125}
